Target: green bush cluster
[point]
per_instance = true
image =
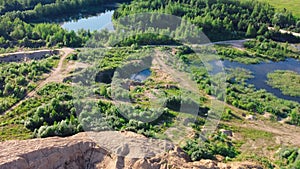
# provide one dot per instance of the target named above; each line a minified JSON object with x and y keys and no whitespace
{"x":63,"y":128}
{"x":16,"y":79}
{"x":55,"y":111}
{"x":237,"y":55}
{"x":289,"y":158}
{"x":217,"y":144}
{"x":102,"y":115}
{"x":54,"y":114}
{"x":37,"y":111}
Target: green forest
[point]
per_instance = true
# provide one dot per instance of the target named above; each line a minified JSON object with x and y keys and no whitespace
{"x":219,"y":18}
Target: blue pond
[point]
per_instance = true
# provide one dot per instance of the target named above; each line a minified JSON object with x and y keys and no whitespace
{"x":141,"y":76}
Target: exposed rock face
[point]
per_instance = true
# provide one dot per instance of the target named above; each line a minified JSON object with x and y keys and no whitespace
{"x":73,"y":152}
{"x":85,"y":150}
{"x":30,"y":55}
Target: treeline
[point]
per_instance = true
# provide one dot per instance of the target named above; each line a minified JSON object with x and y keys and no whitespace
{"x":219,"y":19}
{"x":50,"y":11}
{"x":14,"y":5}
{"x":19,"y":33}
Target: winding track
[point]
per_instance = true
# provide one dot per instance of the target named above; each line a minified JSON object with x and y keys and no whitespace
{"x":54,"y":76}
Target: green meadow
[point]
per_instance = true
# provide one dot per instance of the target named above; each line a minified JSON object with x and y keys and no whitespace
{"x":291,"y":5}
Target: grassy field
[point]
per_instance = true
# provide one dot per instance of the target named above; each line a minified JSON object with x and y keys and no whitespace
{"x":291,"y":5}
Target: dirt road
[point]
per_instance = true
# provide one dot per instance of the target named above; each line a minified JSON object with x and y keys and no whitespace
{"x":285,"y":31}
{"x":55,"y":76}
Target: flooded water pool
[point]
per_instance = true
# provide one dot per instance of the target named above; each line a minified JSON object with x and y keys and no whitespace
{"x":261,"y":70}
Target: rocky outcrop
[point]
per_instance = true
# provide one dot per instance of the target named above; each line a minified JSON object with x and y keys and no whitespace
{"x":27,"y":55}
{"x":73,"y":152}
{"x":101,"y":150}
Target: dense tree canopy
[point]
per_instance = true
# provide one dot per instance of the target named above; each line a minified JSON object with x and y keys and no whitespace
{"x":217,"y":18}
{"x":11,"y":5}
{"x":17,"y":32}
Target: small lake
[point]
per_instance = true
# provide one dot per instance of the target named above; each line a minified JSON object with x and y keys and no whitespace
{"x":98,"y":22}
{"x":261,"y":70}
{"x":141,"y":76}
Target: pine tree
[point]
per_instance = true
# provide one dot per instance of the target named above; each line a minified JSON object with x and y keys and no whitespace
{"x":251,"y":31}
{"x":262,"y":30}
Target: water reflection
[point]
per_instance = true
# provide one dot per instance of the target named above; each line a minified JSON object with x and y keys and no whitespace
{"x":141,"y":76}
{"x":90,"y":23}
